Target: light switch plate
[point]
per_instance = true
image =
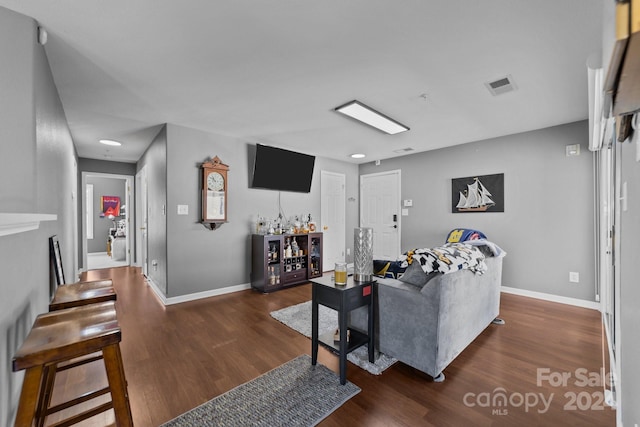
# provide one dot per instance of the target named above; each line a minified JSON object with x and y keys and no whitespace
{"x":405,"y":212}
{"x":183,"y":209}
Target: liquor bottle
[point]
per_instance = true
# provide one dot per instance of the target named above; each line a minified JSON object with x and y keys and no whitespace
{"x":272,"y":276}
{"x":294,"y":247}
{"x":287,"y":249}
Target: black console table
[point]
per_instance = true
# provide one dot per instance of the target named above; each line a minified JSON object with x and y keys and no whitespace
{"x":343,"y":299}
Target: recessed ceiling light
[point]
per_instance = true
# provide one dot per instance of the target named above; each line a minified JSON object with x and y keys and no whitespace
{"x":358,"y":156}
{"x":403,"y":150}
{"x":368,"y":115}
{"x":110,"y":142}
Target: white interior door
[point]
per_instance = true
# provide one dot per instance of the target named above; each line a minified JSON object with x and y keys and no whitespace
{"x":380,"y":210}
{"x":607,"y":245}
{"x":128,"y":216}
{"x":333,"y":221}
{"x":141,"y":206}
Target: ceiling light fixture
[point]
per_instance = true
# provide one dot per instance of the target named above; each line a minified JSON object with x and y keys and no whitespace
{"x":358,"y":156}
{"x":368,"y":115}
{"x":110,"y":142}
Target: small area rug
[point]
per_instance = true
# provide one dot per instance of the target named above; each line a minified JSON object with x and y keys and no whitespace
{"x":293,"y":394}
{"x":298,"y":318}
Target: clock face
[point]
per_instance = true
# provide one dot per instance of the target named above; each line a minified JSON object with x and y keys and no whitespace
{"x":215,"y":181}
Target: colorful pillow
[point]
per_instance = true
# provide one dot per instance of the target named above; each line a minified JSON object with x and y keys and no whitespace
{"x":386,"y":268}
{"x":463,"y":234}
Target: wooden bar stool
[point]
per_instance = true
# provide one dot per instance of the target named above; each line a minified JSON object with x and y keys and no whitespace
{"x":61,"y":336}
{"x":82,"y":293}
{"x":69,"y":295}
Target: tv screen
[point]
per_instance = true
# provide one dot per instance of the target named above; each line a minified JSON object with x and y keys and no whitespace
{"x":283,"y":170}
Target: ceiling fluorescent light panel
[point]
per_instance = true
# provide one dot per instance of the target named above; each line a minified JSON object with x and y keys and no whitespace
{"x":368,"y":115}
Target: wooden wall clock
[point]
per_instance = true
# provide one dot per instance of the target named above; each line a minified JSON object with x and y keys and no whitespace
{"x":214,"y":193}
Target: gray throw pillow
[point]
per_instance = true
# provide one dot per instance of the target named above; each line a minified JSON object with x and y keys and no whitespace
{"x":414,"y":275}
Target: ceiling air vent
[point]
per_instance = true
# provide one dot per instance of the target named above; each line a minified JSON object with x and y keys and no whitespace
{"x":502,"y":85}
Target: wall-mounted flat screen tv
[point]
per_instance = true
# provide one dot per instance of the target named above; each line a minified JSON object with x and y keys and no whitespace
{"x":283,"y":170}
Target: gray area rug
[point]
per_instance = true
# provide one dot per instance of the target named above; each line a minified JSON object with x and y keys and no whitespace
{"x":298,"y":318}
{"x":293,"y":394}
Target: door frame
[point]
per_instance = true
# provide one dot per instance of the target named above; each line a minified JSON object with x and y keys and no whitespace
{"x":129,"y":213}
{"x":329,"y":259}
{"x":397,"y":202}
{"x":142,"y":219}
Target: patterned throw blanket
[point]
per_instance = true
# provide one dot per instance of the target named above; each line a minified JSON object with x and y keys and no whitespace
{"x":446,"y":259}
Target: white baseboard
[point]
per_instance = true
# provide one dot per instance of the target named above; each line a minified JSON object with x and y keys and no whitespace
{"x":196,"y":296}
{"x":553,"y":298}
{"x":236,"y":288}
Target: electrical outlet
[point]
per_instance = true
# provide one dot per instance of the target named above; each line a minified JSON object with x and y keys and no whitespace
{"x":574,"y":277}
{"x":348,"y":251}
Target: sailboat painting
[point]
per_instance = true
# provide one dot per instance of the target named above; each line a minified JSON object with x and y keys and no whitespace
{"x":478,"y":194}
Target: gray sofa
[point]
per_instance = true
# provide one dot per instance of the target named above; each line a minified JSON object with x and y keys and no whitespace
{"x":427,"y":327}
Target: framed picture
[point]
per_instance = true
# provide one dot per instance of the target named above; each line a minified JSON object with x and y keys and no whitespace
{"x":56,"y":260}
{"x":109,"y":205}
{"x":478,"y":194}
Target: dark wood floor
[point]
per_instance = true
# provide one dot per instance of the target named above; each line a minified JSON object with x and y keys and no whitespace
{"x":180,"y":356}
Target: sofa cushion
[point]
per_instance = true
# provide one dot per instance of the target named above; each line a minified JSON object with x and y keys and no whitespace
{"x":414,"y":275}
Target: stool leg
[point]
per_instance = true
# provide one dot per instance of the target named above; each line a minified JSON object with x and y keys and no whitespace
{"x":44,"y":398}
{"x":118,"y":385}
{"x":29,"y":396}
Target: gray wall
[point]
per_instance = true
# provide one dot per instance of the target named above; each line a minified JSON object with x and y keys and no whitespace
{"x":37,"y":175}
{"x":105,"y":166}
{"x":101,"y":225}
{"x":17,"y":133}
{"x":629,"y":230}
{"x":200,"y":259}
{"x":154,"y":160}
{"x":547,"y":226}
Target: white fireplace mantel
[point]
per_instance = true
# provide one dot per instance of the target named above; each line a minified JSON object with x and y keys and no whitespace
{"x":12,"y":223}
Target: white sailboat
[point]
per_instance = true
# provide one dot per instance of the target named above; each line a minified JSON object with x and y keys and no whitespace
{"x":477,"y":199}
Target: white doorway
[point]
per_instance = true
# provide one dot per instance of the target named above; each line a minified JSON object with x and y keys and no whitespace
{"x":141,"y":224}
{"x":105,"y":258}
{"x":380,"y":210}
{"x":333,"y":218}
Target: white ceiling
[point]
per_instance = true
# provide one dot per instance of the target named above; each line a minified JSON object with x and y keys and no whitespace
{"x":271,"y":72}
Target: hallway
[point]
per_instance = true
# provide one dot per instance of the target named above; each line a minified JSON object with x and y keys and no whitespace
{"x":99,"y":260}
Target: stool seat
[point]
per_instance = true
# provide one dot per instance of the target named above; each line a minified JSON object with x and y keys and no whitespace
{"x":81,"y":293}
{"x":64,"y":334}
{"x":60,"y":336}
